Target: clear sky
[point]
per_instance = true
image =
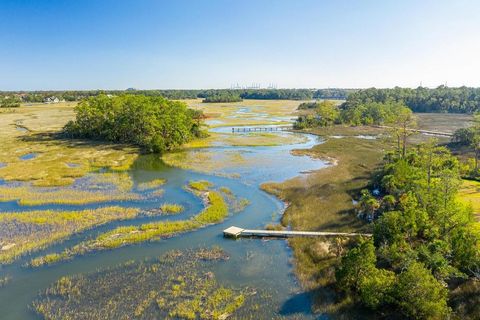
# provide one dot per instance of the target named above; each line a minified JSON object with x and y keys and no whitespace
{"x":116,"y":44}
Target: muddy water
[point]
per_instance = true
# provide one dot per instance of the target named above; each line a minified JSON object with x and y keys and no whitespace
{"x":253,"y":263}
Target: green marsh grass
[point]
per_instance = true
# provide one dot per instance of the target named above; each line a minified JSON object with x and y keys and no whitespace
{"x":151,"y":184}
{"x":31,"y":196}
{"x":23,"y":232}
{"x":216,"y":210}
{"x":171,"y":208}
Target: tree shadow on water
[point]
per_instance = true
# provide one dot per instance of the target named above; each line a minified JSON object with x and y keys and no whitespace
{"x":300,"y":305}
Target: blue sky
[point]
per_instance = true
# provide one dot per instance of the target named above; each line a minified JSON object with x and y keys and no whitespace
{"x":116,"y":44}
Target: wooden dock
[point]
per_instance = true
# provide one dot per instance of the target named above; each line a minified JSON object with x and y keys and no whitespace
{"x":236,"y":232}
{"x":261,"y":129}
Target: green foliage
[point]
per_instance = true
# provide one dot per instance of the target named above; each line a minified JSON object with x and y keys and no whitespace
{"x":9,"y":102}
{"x":376,"y":288}
{"x":357,"y":263}
{"x":307,"y":105}
{"x":464,"y":136}
{"x":419,"y":295}
{"x":222,"y":97}
{"x":153,"y":123}
{"x":326,"y":114}
{"x":371,"y":113}
{"x":423,"y":238}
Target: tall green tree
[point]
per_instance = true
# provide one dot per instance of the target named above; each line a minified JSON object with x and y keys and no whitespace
{"x":327,"y":112}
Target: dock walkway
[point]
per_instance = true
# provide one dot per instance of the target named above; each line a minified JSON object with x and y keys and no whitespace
{"x":236,"y":232}
{"x":260,"y":129}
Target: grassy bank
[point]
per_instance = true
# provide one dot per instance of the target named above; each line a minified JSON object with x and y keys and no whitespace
{"x":322,"y":200}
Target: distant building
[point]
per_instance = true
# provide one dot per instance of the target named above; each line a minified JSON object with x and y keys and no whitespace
{"x":52,"y":99}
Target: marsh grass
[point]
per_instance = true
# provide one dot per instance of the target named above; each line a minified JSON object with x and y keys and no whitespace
{"x":31,"y":196}
{"x":322,"y":201}
{"x":201,"y":185}
{"x":174,"y":286}
{"x":50,"y":167}
{"x":29,"y":231}
{"x":203,"y":160}
{"x":151,"y":184}
{"x":120,"y":180}
{"x":234,"y":203}
{"x":215,"y":211}
{"x":171,"y":208}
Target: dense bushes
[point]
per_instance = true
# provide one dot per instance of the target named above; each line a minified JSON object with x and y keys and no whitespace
{"x":154,"y":123}
{"x":327,"y":113}
{"x":424,"y":240}
{"x":9,"y":102}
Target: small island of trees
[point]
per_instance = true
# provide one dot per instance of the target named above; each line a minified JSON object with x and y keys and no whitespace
{"x":153,"y":123}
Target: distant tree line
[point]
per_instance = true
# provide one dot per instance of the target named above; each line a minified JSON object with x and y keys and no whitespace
{"x":153,"y":123}
{"x":222,"y":97}
{"x":421,"y":99}
{"x":265,"y":94}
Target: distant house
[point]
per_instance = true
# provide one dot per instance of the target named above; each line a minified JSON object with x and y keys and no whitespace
{"x":52,"y":99}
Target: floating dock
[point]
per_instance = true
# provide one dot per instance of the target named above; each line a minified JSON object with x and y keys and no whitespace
{"x":236,"y":232}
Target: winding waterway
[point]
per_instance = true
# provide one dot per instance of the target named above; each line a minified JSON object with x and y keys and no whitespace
{"x":253,"y":263}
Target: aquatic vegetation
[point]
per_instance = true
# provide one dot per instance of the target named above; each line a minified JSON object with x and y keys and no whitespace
{"x":215,"y":211}
{"x":203,"y":160}
{"x":201,"y":185}
{"x":30,"y":196}
{"x":176,"y":285}
{"x":120,"y":180}
{"x":151,"y":184}
{"x":234,"y":203}
{"x":156,"y":193}
{"x":170,"y":208}
{"x":23,"y":232}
